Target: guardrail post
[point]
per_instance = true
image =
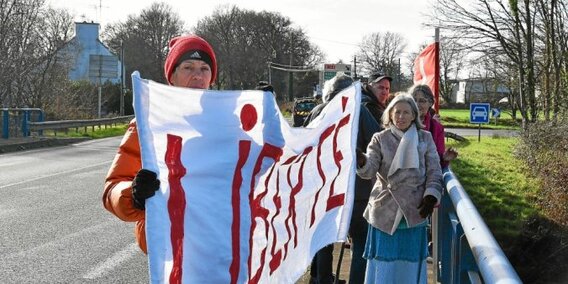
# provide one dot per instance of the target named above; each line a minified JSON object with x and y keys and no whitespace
{"x":445,"y":235}
{"x":466,"y":261}
{"x":5,"y":124}
{"x":40,"y":119}
{"x":457,"y":234}
{"x":25,"y":119}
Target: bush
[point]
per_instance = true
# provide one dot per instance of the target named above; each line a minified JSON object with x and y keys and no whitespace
{"x":544,"y":147}
{"x":541,"y":252}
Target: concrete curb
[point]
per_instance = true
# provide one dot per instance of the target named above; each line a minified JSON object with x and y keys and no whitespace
{"x":40,"y":143}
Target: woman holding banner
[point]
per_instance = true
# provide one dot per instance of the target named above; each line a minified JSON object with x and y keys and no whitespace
{"x":404,"y":160}
{"x":190,"y":63}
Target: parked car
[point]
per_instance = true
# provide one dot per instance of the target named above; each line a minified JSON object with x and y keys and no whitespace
{"x":302,"y":107}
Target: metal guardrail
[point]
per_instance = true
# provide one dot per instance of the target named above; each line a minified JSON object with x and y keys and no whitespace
{"x":65,"y":125}
{"x":15,"y":120}
{"x":465,"y":250}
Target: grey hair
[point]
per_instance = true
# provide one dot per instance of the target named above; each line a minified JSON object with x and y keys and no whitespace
{"x":402,"y":97}
{"x":335,"y":85}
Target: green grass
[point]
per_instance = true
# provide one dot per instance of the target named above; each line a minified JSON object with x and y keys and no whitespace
{"x":497,"y":183}
{"x":459,"y":118}
{"x":98,"y":132}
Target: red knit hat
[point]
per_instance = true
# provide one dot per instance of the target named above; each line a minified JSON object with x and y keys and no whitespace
{"x":180,"y":46}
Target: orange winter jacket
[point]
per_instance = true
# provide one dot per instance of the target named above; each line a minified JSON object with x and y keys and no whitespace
{"x":117,"y":195}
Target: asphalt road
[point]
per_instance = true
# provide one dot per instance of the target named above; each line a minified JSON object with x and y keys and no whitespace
{"x":53,"y":228}
{"x":484,"y":132}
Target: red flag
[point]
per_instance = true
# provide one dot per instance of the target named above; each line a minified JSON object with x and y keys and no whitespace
{"x":427,"y":70}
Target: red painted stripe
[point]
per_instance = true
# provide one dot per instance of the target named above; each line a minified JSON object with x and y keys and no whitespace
{"x":339,"y":199}
{"x":176,"y":204}
{"x":326,"y":134}
{"x":244,"y":150}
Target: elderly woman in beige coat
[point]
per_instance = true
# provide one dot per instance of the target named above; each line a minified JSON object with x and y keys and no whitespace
{"x":404,"y":160}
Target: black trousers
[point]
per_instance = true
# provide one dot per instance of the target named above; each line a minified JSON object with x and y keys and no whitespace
{"x":321,"y":269}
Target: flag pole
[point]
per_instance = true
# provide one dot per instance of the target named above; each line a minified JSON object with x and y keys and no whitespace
{"x":437,"y":71}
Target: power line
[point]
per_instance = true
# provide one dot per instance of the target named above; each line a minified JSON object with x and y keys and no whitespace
{"x":293,"y":70}
{"x":290,"y":68}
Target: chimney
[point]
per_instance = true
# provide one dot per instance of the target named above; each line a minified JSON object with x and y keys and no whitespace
{"x":87,"y":31}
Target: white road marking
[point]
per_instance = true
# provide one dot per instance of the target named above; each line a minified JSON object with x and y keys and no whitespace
{"x":55,"y":174}
{"x":112,"y":262}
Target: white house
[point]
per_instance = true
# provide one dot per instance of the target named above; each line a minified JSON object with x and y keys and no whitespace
{"x":90,"y":59}
{"x":478,"y":90}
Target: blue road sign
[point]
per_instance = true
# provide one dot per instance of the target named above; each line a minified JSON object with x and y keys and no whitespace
{"x":479,"y":112}
{"x":495,"y":112}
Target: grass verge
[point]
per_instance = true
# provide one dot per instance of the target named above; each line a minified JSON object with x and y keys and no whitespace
{"x":498,"y":184}
{"x":94,"y":133}
{"x":459,"y":118}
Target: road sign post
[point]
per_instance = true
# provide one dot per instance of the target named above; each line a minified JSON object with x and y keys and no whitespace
{"x":330,"y":70}
{"x":478,"y":114}
{"x":495,"y":113}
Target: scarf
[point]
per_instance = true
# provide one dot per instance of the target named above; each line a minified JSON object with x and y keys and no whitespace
{"x":406,"y":156}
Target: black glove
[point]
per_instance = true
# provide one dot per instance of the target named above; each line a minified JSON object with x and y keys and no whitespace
{"x":361,"y":158}
{"x":144,"y":186}
{"x":426,"y":207}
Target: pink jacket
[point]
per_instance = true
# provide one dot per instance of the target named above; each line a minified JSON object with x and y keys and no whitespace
{"x":437,"y":131}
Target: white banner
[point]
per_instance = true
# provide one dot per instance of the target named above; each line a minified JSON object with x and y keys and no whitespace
{"x":244,"y":197}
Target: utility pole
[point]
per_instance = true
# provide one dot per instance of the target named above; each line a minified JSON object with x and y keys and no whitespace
{"x":398,"y":77}
{"x":290,"y":75}
{"x":122,"y":78}
{"x":437,"y":70}
{"x":355,"y":67}
{"x":100,"y":83}
{"x":269,"y":73}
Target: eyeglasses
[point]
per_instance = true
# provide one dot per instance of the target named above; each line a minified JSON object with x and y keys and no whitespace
{"x":422,"y":101}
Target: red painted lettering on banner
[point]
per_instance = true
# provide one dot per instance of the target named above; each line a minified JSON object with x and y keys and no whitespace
{"x":326,"y":134}
{"x":295,"y":190}
{"x":257,"y":210}
{"x":248,"y":117}
{"x":176,"y":204}
{"x":339,"y":199}
{"x":244,"y":150}
{"x":344,"y":100}
{"x":275,"y":256}
{"x":288,"y":230}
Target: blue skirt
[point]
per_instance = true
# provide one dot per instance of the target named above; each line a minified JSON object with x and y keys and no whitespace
{"x":409,"y":244}
{"x":400,"y":258}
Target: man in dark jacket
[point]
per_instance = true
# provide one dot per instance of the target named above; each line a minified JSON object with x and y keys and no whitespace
{"x":375,"y":93}
{"x":322,"y":264}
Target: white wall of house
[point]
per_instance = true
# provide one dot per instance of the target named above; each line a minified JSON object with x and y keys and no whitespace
{"x":478,"y":90}
{"x":90,"y":59}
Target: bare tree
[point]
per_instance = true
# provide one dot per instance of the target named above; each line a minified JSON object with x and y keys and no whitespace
{"x":51,"y":71}
{"x":452,"y":61}
{"x":246,"y":41}
{"x":381,"y":52}
{"x":498,"y":26}
{"x":551,"y":44}
{"x":17,"y":33}
{"x":145,"y":39}
{"x":31,"y":35}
